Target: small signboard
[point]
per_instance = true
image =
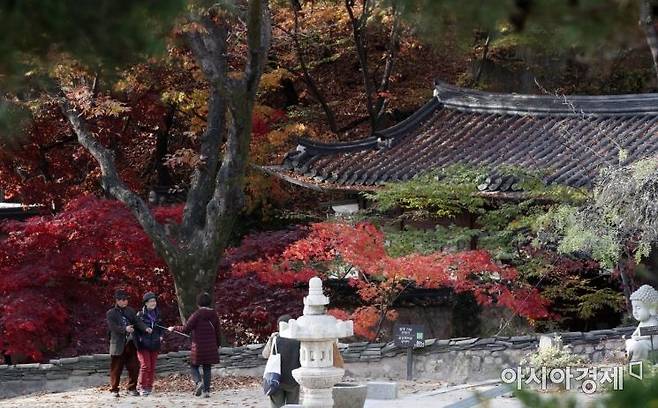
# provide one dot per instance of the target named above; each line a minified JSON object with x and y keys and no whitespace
{"x":649,"y":331}
{"x":409,"y":335}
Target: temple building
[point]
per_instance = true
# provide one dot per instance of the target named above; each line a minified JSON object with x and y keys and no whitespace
{"x":566,"y":139}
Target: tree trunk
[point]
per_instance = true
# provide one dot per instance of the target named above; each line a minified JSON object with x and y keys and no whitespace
{"x":192,"y":276}
{"x":649,"y":26}
{"x":214,"y":200}
{"x":485,"y":50}
{"x":359,"y":26}
{"x":391,"y":56}
{"x":626,"y":283}
{"x":306,"y":75}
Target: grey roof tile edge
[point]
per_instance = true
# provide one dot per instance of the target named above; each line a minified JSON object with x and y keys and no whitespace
{"x":471,"y":100}
{"x":302,"y":163}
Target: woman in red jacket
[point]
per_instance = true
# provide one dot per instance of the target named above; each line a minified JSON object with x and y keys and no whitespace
{"x":204,"y":326}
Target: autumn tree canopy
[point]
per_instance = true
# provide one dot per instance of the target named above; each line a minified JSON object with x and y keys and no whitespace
{"x":71,"y":263}
{"x":185,"y":96}
{"x":231,"y":70}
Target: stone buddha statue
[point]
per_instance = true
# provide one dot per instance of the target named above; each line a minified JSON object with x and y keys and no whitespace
{"x":645,"y":303}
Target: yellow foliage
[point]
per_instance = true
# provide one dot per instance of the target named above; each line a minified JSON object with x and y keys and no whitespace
{"x":299,"y":129}
{"x":278,"y":138}
{"x":271,"y":81}
{"x":263,"y":110}
{"x":197,"y":125}
{"x":192,"y":27}
{"x":195,"y":101}
{"x":67,"y":72}
{"x":173,"y":97}
{"x":264,"y":193}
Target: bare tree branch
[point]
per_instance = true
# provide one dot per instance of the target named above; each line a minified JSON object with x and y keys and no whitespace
{"x":113,"y":184}
{"x":228,"y":195}
{"x":211,"y":54}
{"x":306,"y":76}
{"x":375,"y":94}
{"x":391,"y":54}
{"x":359,"y":25}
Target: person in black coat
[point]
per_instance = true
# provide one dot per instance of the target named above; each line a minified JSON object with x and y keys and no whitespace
{"x":148,"y":343}
{"x":122,"y":323}
{"x":288,"y":392}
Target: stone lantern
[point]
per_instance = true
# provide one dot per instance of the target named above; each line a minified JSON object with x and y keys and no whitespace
{"x":317,"y":332}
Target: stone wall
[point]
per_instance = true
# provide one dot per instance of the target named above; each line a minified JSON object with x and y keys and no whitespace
{"x":90,"y":371}
{"x":466,"y":359}
{"x":456,"y":360}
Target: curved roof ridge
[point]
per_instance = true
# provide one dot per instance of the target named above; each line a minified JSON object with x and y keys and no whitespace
{"x":472,"y":100}
{"x":378,"y":138}
{"x":313,"y":144}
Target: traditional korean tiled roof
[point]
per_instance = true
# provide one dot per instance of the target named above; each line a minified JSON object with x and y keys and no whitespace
{"x":566,"y":139}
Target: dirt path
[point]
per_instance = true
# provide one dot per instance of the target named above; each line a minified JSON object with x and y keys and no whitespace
{"x":176,"y":391}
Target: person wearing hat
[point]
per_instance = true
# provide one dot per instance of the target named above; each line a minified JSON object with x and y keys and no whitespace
{"x":148,"y":344}
{"x":121,"y":322}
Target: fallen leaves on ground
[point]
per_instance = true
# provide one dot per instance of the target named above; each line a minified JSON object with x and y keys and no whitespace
{"x":183,"y":383}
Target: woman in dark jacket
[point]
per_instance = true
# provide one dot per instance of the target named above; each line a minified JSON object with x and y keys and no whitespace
{"x":148,"y":344}
{"x":204,"y":326}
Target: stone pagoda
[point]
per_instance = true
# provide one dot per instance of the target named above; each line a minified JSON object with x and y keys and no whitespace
{"x":317,"y":331}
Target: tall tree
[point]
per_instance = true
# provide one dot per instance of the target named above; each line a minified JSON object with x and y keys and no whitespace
{"x":375,"y":91}
{"x":305,"y":73}
{"x":192,"y":250}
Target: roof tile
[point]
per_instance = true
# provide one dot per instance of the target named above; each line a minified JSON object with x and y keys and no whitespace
{"x":567,"y":139}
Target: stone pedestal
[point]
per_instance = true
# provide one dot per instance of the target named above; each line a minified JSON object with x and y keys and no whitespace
{"x":350,"y":395}
{"x":382,"y":390}
{"x":317,"y":333}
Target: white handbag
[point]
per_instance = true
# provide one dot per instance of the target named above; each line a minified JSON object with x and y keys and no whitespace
{"x":272,"y":374}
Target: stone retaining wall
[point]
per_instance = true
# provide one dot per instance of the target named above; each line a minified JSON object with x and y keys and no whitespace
{"x":465,"y":359}
{"x":455,"y":360}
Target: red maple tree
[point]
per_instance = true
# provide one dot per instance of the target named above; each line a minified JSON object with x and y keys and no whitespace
{"x":59,"y":273}
{"x":381,"y":278}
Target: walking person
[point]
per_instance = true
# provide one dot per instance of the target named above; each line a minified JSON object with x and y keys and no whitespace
{"x":288,"y":392}
{"x":204,"y":327}
{"x":148,"y":344}
{"x":121,"y":322}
